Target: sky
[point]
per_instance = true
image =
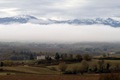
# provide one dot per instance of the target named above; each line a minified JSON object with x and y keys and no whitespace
{"x":60,"y":9}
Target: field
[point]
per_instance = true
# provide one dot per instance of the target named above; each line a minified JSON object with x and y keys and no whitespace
{"x":48,"y":77}
{"x":29,"y":70}
{"x":38,"y":73}
{"x":46,"y":73}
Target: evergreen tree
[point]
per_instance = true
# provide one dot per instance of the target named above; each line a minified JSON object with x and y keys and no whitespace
{"x":31,"y":57}
{"x":1,"y":64}
{"x":57,"y":56}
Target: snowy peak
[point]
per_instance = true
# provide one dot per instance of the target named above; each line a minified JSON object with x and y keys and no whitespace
{"x":22,"y":19}
{"x":102,"y":21}
{"x":16,"y":19}
{"x":25,"y":17}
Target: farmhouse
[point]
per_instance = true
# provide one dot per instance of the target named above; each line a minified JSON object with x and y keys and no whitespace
{"x":40,"y":57}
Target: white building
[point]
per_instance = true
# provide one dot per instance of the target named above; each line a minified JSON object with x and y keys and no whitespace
{"x":40,"y":57}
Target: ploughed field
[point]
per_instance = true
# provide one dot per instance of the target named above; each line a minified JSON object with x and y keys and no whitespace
{"x":46,"y":72}
{"x":40,"y":73}
{"x":48,"y":77}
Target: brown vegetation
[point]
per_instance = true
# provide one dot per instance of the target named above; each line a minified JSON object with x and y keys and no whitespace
{"x":110,"y":76}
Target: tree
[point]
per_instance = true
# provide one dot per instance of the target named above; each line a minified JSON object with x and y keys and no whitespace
{"x":64,"y":56}
{"x":78,"y":57}
{"x":48,"y":58}
{"x":57,"y":56}
{"x":1,"y":64}
{"x":87,"y":57}
{"x":108,"y":66}
{"x":31,"y":57}
{"x":70,"y":57}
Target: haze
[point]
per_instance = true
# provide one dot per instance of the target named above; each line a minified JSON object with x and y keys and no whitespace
{"x":58,"y":33}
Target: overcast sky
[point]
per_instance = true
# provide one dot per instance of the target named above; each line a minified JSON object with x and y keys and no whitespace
{"x":61,"y":8}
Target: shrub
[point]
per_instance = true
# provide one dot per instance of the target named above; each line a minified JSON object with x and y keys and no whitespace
{"x":1,"y":70}
{"x":8,"y":63}
{"x":68,"y":72}
{"x":115,"y":68}
{"x":62,"y":66}
{"x":84,"y":66}
{"x":53,"y":68}
{"x":111,"y":76}
{"x":72,"y":70}
{"x":93,"y":68}
{"x":8,"y":74}
{"x":75,"y":69}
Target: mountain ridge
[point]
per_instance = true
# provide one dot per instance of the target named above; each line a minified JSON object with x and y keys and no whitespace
{"x":22,"y":19}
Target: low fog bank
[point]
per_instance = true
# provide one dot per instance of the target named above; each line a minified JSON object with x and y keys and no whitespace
{"x":60,"y":33}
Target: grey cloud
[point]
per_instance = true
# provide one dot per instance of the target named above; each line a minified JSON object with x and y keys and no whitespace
{"x":56,"y":8}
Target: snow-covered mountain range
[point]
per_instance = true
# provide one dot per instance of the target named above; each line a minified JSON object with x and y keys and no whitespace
{"x":87,"y":21}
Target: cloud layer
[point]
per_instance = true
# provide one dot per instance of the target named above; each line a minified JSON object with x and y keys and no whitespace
{"x":58,"y":33}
